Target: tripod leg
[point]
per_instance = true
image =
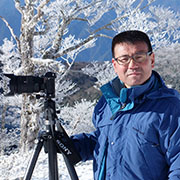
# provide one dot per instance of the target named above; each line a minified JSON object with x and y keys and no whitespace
{"x":34,"y":159}
{"x":52,"y":158}
{"x":71,"y":169}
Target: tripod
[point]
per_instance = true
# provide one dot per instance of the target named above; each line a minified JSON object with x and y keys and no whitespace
{"x":54,"y":142}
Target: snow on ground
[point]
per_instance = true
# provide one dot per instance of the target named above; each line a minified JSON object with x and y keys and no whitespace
{"x":13,"y":167}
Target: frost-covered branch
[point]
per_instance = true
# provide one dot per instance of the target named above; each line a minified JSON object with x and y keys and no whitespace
{"x":78,"y":118}
{"x":66,"y":20}
{"x":18,"y":6}
{"x":39,"y":14}
{"x":64,"y":52}
{"x":12,"y":32}
{"x":107,"y":26}
{"x":83,"y":8}
{"x":47,"y":65}
{"x":103,"y":71}
{"x":57,"y":40}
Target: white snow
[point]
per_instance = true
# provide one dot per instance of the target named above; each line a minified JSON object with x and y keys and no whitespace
{"x":14,"y":166}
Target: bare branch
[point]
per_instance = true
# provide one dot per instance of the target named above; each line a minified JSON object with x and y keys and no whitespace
{"x":12,"y":33}
{"x":80,"y":19}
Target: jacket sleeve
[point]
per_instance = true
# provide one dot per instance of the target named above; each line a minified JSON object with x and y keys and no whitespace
{"x":85,"y":144}
{"x":171,"y":142}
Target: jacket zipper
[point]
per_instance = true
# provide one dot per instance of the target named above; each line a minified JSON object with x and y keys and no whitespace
{"x":122,"y":107}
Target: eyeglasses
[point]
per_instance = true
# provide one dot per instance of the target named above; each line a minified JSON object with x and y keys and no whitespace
{"x":138,"y":57}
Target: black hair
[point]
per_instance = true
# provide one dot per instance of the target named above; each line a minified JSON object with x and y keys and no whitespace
{"x":131,"y":36}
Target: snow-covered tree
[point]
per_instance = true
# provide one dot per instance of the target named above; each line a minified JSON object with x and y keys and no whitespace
{"x":103,"y":71}
{"x":167,"y":64}
{"x":78,"y":119}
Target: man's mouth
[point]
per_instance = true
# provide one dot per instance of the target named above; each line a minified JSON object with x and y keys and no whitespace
{"x":135,"y":73}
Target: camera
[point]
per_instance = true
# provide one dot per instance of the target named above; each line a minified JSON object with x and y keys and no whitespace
{"x":32,"y":84}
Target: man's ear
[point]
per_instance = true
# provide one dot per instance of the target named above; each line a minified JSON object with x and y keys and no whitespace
{"x":114,"y":62}
{"x":152,"y":60}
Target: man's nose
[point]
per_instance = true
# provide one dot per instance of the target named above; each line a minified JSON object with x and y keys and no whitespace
{"x":132,"y":63}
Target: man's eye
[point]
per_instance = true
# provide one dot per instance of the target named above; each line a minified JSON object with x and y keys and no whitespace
{"x":123,"y":59}
{"x":139,"y":57}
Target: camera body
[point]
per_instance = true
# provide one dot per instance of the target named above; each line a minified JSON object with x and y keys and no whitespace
{"x":32,"y":84}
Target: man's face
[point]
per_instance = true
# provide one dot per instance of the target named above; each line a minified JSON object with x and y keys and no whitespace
{"x":133,"y":73}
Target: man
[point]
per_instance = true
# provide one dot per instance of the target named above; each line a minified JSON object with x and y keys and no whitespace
{"x":137,"y":119}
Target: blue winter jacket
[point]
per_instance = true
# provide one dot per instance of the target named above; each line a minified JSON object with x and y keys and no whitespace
{"x":137,"y":133}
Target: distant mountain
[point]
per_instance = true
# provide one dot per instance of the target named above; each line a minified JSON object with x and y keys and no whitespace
{"x":100,"y":52}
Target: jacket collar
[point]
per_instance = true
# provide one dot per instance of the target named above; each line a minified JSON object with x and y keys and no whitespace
{"x":117,"y":95}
